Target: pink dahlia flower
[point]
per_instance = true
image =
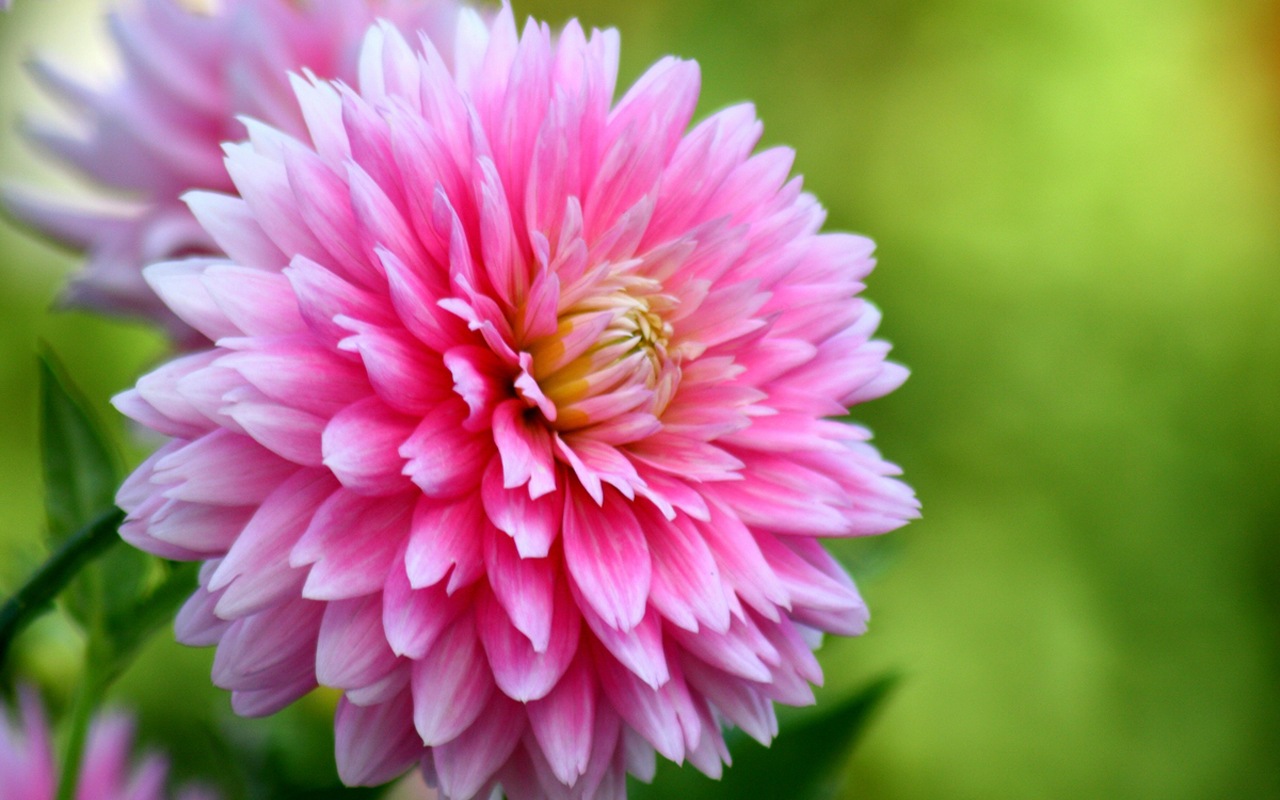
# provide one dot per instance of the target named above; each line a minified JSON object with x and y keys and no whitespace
{"x":157,"y":131}
{"x":516,"y":428}
{"x":28,"y":772}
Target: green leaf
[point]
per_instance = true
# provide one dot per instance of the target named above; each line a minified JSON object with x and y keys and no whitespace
{"x":804,"y":762}
{"x":80,"y":469}
{"x":81,"y":475}
{"x":129,"y":621}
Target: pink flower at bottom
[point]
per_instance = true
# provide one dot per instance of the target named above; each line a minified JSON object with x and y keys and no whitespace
{"x":516,"y":429}
{"x":28,"y":771}
{"x":157,"y":131}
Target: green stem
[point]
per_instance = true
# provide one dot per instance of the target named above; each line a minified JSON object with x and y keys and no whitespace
{"x":88,"y":695}
{"x":53,"y":576}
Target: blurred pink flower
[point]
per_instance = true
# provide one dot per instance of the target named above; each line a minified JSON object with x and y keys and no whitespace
{"x":155,"y":133}
{"x":515,"y":429}
{"x":28,"y":772}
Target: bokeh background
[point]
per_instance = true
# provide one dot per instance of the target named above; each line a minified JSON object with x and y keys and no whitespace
{"x":1077,"y":205}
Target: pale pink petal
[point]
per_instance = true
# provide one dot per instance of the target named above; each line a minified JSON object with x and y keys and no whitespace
{"x":352,"y":651}
{"x":373,"y":744}
{"x":467,"y":762}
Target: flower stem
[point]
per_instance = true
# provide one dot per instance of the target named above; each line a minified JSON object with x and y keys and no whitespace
{"x":53,"y":576}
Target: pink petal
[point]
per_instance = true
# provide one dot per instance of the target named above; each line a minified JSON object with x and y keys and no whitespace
{"x":256,"y":573}
{"x":373,"y":744}
{"x":444,"y":460}
{"x":687,"y":586}
{"x":222,"y":468}
{"x":352,"y":651}
{"x":525,"y":450}
{"x":414,"y":618}
{"x":563,"y":721}
{"x":607,"y":558}
{"x":451,"y":685}
{"x":446,"y":540}
{"x":532,"y":524}
{"x":524,"y":586}
{"x":522,"y":671}
{"x":351,"y":543}
{"x":362,"y":447}
{"x":407,"y":377}
{"x":466,"y":763}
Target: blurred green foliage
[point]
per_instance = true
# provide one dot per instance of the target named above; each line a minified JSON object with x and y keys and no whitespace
{"x":1076,"y":206}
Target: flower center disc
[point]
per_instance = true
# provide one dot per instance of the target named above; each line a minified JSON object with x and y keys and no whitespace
{"x":609,"y":356}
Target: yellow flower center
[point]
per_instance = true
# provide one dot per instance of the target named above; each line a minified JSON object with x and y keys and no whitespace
{"x":609,"y":354}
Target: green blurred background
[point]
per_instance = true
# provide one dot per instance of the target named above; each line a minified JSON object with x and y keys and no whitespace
{"x":1076,"y":205}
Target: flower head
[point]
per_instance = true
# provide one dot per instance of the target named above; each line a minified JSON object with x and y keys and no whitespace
{"x":156,"y":132}
{"x":516,"y":426}
{"x":27,"y":770}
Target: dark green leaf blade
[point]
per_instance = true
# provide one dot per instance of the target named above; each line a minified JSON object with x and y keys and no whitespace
{"x":80,"y":469}
{"x":803,"y":763}
{"x":130,"y":620}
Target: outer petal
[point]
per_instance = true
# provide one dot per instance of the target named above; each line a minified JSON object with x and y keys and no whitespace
{"x":607,"y":557}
